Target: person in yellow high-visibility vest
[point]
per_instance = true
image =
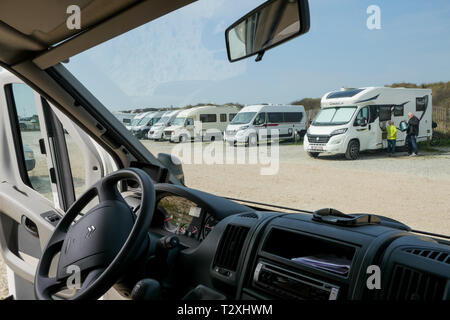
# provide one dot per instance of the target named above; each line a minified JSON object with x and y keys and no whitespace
{"x":391,"y":138}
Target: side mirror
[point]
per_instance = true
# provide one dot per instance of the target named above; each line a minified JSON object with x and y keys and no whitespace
{"x":173,"y":164}
{"x":267,"y":26}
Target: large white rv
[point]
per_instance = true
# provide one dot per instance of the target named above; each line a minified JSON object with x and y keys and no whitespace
{"x":204,"y":123}
{"x":256,"y":123}
{"x":354,"y":120}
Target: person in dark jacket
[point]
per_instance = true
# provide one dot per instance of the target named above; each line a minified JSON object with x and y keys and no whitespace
{"x":412,"y":133}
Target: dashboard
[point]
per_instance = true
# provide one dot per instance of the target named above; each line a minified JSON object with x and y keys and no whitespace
{"x":244,"y":252}
{"x":182,"y":217}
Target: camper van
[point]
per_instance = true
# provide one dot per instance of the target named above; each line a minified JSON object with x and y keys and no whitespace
{"x":141,"y":129}
{"x":137,"y":118}
{"x":156,"y":131}
{"x":204,"y":122}
{"x":354,"y":120}
{"x":256,"y":123}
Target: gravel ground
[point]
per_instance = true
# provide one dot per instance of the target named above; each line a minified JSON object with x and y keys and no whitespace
{"x":414,"y":190}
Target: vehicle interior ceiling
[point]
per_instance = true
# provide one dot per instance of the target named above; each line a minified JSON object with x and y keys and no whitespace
{"x":267,"y":261}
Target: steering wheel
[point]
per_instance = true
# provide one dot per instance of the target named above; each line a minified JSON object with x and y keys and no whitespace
{"x":99,"y":246}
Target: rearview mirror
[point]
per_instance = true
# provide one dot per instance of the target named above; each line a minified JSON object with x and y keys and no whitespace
{"x":267,"y":26}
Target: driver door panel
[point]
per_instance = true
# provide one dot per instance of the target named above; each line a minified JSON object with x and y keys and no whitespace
{"x":31,"y":191}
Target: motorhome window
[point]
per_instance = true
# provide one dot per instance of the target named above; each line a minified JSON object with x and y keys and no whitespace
{"x":223,"y":117}
{"x":163,"y":120}
{"x":243,"y":117}
{"x":231,"y":116}
{"x":293,"y":116}
{"x":399,"y":111}
{"x":189,"y":122}
{"x":385,"y":113}
{"x":208,"y":118}
{"x":275,"y":117}
{"x":362,"y":114}
{"x":373,"y":110}
{"x":260,"y":118}
{"x":155,"y":120}
{"x":334,"y":116}
{"x":344,"y":94}
{"x":143,"y":121}
{"x":421,"y":103}
{"x":178,"y":121}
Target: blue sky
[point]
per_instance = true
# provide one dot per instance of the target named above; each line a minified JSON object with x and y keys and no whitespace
{"x":180,"y":59}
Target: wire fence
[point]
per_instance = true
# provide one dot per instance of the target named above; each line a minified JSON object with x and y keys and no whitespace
{"x":441,"y":115}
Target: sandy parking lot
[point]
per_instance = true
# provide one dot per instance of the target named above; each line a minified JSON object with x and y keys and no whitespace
{"x":414,"y":190}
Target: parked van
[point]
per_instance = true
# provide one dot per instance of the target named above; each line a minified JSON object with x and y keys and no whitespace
{"x":143,"y":127}
{"x":137,"y":118}
{"x":204,"y":122}
{"x":354,"y":120}
{"x":255,"y":123}
{"x":156,"y":131}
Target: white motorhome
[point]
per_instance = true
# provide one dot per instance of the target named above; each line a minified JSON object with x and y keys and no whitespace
{"x":203,"y":122}
{"x":137,"y":118}
{"x":354,"y":120}
{"x":256,"y":123}
{"x":156,"y":131}
{"x":143,"y":127}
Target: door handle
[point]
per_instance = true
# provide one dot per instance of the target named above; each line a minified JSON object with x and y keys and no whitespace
{"x":30,"y":226}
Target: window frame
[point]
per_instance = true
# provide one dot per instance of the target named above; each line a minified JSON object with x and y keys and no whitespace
{"x":58,"y":174}
{"x":208,"y":115}
{"x":277,"y":112}
{"x":402,"y":106}
{"x":356,"y":117}
{"x":293,"y":113}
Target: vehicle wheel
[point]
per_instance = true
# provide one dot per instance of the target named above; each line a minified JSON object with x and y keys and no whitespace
{"x":182,"y":139}
{"x":252,"y":140}
{"x":352,"y":152}
{"x":313,"y":154}
{"x":435,"y":140}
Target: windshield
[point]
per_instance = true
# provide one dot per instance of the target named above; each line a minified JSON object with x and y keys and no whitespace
{"x":178,"y":121}
{"x":144,"y":120}
{"x":135,"y":122}
{"x":163,"y":121}
{"x":334,"y":116}
{"x":179,"y":61}
{"x":243,"y":117}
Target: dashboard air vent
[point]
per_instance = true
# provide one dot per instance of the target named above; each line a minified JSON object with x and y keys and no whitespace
{"x":440,"y":256}
{"x":250,"y":215}
{"x":410,"y":284}
{"x":230,"y":247}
